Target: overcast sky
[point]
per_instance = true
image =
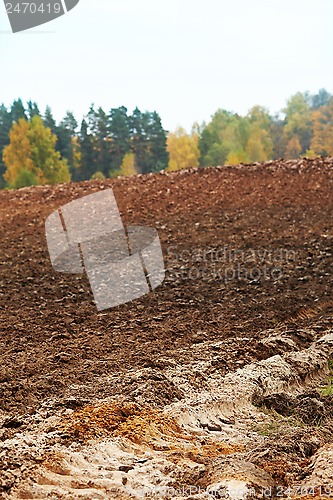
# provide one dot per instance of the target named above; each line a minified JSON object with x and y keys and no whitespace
{"x":182,"y":58}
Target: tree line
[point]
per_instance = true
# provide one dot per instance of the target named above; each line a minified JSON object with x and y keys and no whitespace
{"x":303,"y":128}
{"x":34,"y":149}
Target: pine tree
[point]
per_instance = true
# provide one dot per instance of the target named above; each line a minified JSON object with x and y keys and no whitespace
{"x":103,"y":149}
{"x":66,"y":144}
{"x":86,"y":145}
{"x":148,"y":141}
{"x":17,"y":110}
{"x":119,"y":137}
{"x":98,"y":130}
{"x":32,"y":109}
{"x":157,"y":140}
{"x":5,"y":126}
{"x":138,"y":139}
{"x":49,"y":121}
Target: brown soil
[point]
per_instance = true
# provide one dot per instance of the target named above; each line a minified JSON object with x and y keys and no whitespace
{"x":272,"y":221}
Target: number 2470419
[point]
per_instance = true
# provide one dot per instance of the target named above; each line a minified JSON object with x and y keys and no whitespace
{"x":33,"y":8}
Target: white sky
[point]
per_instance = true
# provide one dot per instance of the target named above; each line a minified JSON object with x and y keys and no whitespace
{"x":182,"y":58}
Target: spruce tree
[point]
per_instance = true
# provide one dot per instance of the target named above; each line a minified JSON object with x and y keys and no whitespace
{"x":5,"y":126}
{"x":119,"y":137}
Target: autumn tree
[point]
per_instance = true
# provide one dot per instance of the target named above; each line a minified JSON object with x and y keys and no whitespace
{"x":322,"y":120}
{"x":31,"y":154}
{"x":45,"y":158}
{"x":279,"y":139}
{"x":259,"y":146}
{"x":294,"y":148}
{"x":183,"y":150}
{"x":235,"y":137}
{"x":7,"y":117}
{"x":213,"y":149}
{"x":98,"y":176}
{"x":17,"y":156}
{"x":119,"y":143}
{"x":224,"y":140}
{"x":298,"y":126}
{"x":128,"y":165}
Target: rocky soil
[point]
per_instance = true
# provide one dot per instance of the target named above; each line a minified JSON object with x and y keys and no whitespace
{"x":216,"y":384}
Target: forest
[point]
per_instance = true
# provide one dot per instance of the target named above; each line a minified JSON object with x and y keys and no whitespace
{"x":35,"y":149}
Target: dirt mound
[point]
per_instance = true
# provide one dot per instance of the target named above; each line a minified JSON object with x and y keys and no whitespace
{"x":311,"y":408}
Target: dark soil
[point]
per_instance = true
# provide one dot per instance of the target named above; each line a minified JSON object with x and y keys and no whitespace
{"x":273,"y":216}
{"x":246,"y":249}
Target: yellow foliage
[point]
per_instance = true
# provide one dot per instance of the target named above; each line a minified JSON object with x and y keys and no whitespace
{"x":97,"y":176}
{"x":259,"y":146}
{"x":322,"y":120}
{"x":77,"y":156}
{"x":309,"y":153}
{"x":183,"y":150}
{"x":128,"y":166}
{"x":32,"y":150}
{"x":294,"y":148}
{"x":17,"y":155}
{"x":236,"y":157}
